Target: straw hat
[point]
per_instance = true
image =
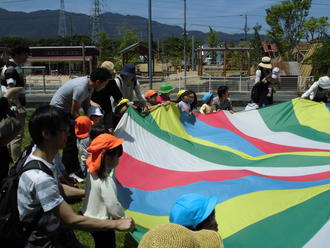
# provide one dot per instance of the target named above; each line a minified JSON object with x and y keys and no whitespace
{"x":266,"y":63}
{"x":172,"y":235}
{"x":109,"y":66}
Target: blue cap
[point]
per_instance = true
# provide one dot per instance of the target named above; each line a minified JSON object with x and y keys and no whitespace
{"x":207,"y":97}
{"x":192,"y":209}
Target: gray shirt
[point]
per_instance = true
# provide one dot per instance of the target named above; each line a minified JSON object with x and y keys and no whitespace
{"x":225,"y":105}
{"x":75,"y":89}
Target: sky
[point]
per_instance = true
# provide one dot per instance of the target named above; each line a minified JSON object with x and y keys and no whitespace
{"x":223,"y":15}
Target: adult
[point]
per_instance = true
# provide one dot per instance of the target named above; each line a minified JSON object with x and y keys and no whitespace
{"x":222,"y":101}
{"x":70,"y":97}
{"x":195,"y":212}
{"x":12,"y":77}
{"x":103,"y":97}
{"x":39,"y":192}
{"x":128,"y":84}
{"x":319,"y":91}
{"x":175,"y":236}
{"x":262,"y":90}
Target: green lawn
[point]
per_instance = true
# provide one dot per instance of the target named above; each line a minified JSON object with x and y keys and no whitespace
{"x":124,"y":240}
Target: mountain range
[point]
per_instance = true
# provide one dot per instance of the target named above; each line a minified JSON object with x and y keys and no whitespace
{"x":44,"y":24}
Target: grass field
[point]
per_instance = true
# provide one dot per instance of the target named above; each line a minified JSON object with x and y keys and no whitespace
{"x":124,"y":240}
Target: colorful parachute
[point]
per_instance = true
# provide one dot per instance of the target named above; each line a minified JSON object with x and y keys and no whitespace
{"x":269,"y":167}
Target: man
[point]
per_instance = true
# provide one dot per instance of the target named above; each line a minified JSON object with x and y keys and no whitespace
{"x":103,"y":97}
{"x":38,"y":191}
{"x":70,"y":97}
{"x":12,"y":77}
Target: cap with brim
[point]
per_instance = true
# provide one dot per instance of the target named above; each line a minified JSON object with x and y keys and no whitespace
{"x":129,"y":71}
{"x":122,"y":101}
{"x":149,"y":94}
{"x":166,"y":88}
{"x":181,"y":92}
{"x":266,"y":63}
{"x":176,"y":236}
{"x":324,"y":82}
{"x":207,"y":97}
{"x":93,"y":110}
{"x":82,"y":127}
{"x":192,"y":209}
{"x":109,"y":66}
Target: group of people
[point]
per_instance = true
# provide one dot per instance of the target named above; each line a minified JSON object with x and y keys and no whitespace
{"x":104,"y":97}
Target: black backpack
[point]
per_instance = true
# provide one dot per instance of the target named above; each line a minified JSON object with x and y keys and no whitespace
{"x":14,"y":233}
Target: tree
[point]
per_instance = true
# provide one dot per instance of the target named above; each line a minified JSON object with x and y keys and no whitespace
{"x":316,"y":28}
{"x":130,"y":37}
{"x":321,"y":60}
{"x":286,"y":21}
{"x":213,"y":40}
{"x":104,"y":45}
{"x":256,"y":44}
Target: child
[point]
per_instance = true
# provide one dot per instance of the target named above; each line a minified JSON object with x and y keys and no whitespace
{"x":222,"y":101}
{"x":207,"y":107}
{"x":151,"y":97}
{"x":101,"y":192}
{"x":251,"y":105}
{"x":82,"y":128}
{"x":319,"y":91}
{"x":165,"y":91}
{"x":187,"y":101}
{"x":95,"y":114}
{"x":120,"y":110}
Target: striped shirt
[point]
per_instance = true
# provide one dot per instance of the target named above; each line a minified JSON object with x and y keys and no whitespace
{"x":37,"y":190}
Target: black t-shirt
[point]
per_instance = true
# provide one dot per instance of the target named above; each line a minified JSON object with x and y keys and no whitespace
{"x":103,"y":97}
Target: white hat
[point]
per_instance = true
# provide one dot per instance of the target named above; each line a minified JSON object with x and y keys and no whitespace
{"x":266,"y":63}
{"x":93,"y":110}
{"x":324,"y":82}
{"x":275,"y":73}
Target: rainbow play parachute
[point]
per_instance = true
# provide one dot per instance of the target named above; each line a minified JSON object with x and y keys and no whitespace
{"x":270,"y":168}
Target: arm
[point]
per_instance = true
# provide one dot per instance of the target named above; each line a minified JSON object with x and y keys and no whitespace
{"x":138,"y":92}
{"x":311,"y":89}
{"x":202,"y":109}
{"x":71,"y":192}
{"x":67,"y":216}
{"x":75,"y":108}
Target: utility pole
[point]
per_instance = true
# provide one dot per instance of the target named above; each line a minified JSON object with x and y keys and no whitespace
{"x":150,"y":45}
{"x":193,"y":53}
{"x":62,"y":21}
{"x":185,"y":43}
{"x":95,"y":16}
{"x":245,"y":28}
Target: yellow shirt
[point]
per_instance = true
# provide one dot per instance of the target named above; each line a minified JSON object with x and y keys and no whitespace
{"x":205,"y":109}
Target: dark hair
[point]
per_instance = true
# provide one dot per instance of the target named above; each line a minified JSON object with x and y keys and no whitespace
{"x":205,"y":223}
{"x":18,"y":48}
{"x":96,"y":130}
{"x":187,"y":93}
{"x":100,"y":74}
{"x":222,"y":90}
{"x":46,"y":118}
{"x":117,"y":151}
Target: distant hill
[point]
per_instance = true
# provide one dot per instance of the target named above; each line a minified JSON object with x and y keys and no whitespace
{"x":44,"y":24}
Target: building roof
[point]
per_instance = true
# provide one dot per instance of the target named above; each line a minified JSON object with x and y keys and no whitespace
{"x":62,"y":47}
{"x":138,"y":46}
{"x":58,"y":58}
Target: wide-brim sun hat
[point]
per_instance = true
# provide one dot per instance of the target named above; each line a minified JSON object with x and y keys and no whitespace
{"x":129,"y":71}
{"x":324,"y":82}
{"x":207,"y":97}
{"x":176,"y":236}
{"x":266,"y":63}
{"x":166,"y":88}
{"x":109,"y":66}
{"x":192,"y":209}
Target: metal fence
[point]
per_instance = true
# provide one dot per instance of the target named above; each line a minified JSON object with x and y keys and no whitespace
{"x":48,"y":84}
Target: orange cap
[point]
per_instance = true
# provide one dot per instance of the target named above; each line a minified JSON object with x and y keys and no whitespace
{"x":149,"y":93}
{"x":98,"y":147}
{"x":83,"y":126}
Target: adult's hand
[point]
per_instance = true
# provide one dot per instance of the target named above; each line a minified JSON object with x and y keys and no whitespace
{"x":124,"y":225}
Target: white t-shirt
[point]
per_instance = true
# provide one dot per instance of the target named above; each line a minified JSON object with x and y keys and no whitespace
{"x":101,"y":198}
{"x":184,"y":107}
